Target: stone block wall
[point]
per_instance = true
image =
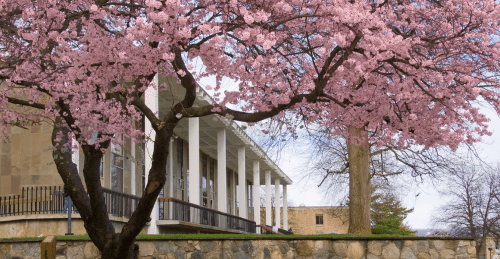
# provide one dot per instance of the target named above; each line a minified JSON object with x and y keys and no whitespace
{"x":20,"y":249}
{"x":26,"y":159}
{"x":369,"y":248}
{"x":48,"y":224}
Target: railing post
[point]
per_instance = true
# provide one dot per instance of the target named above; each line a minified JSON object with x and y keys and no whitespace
{"x":37,"y":208}
{"x":31,"y":203}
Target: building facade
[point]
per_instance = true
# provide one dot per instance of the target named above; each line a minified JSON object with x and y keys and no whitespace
{"x":214,"y":171}
{"x":491,"y":249}
{"x":314,"y":220}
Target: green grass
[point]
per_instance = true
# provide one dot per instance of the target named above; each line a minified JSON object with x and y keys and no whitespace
{"x":21,"y":238}
{"x":251,"y":236}
{"x":211,"y":236}
{"x":43,"y":237}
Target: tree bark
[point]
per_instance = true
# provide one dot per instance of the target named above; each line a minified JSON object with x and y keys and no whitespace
{"x":359,"y":182}
{"x":90,"y":202}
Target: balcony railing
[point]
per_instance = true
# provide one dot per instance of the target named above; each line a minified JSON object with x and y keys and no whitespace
{"x":33,"y":200}
{"x":174,"y":209}
{"x":51,"y":200}
{"x":120,"y":204}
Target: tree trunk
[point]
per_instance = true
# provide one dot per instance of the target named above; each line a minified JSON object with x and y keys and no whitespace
{"x":91,"y":204}
{"x":116,"y":249}
{"x":359,"y":182}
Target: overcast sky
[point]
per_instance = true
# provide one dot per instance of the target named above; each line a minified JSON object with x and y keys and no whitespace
{"x":424,"y":204}
{"x":423,"y":198}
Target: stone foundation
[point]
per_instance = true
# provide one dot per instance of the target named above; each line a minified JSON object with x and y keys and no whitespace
{"x":352,"y":248}
{"x":48,"y":224}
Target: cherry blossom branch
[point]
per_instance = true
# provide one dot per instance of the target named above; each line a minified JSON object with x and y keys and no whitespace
{"x":26,"y":103}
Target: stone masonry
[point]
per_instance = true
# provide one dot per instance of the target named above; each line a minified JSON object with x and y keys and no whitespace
{"x":369,"y":248}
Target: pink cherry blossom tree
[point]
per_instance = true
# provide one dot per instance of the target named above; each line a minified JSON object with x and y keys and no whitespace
{"x":408,"y":70}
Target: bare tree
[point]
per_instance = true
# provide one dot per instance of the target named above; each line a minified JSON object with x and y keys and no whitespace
{"x":473,"y":205}
{"x":326,"y":162}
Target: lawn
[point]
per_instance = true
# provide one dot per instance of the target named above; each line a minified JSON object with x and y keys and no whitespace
{"x":216,"y":236}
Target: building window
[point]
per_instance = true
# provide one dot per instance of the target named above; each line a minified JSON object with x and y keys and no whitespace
{"x":212,"y":197}
{"x":250,"y":196}
{"x":319,"y":219}
{"x":116,"y":167}
{"x":101,"y":168}
{"x":204,"y":165}
{"x":101,"y":164}
{"x":180,"y":165}
{"x":229,"y":191}
{"x":237,"y":194}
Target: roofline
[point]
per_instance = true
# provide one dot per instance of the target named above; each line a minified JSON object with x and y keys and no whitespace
{"x":202,"y":95}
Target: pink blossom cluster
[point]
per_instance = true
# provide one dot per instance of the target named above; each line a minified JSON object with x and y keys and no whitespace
{"x":408,"y":71}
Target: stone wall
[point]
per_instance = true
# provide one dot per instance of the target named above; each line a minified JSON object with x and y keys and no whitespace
{"x":352,"y":248}
{"x":26,"y":159}
{"x":48,"y":224}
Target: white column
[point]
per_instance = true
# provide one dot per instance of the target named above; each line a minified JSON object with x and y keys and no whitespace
{"x":151,"y":100}
{"x":221,"y":171}
{"x":194,"y":160}
{"x":269,"y":221}
{"x":277,"y":201}
{"x":285,"y":208}
{"x":256,"y":193}
{"x":132,"y":167}
{"x":241,"y":183}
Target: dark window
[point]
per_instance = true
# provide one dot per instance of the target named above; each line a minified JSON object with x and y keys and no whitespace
{"x":101,"y":165}
{"x":211,"y":194}
{"x":249,"y":184}
{"x":180,"y":150}
{"x":116,"y":167}
{"x":180,"y":165}
{"x":101,"y":168}
{"x":319,"y":219}
{"x":204,"y":172}
{"x":212,"y":178}
{"x":229,"y":191}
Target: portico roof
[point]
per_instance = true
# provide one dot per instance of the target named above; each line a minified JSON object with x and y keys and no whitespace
{"x":209,"y":125}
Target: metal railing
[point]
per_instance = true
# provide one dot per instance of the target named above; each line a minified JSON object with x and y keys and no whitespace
{"x":264,"y":229}
{"x":51,"y":200}
{"x":120,"y":204}
{"x":33,"y":200}
{"x":284,"y":232}
{"x":175,"y":209}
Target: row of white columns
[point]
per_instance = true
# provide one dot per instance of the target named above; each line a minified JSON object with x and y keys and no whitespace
{"x":194,"y":176}
{"x":151,"y":100}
